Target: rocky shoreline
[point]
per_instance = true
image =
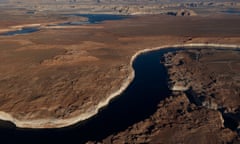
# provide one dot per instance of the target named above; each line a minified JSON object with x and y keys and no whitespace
{"x":210,"y":79}
{"x":187,"y":118}
{"x":58,"y":123}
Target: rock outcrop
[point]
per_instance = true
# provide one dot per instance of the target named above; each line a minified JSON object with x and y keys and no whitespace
{"x":177,"y":121}
{"x":186,"y":12}
{"x":207,"y":112}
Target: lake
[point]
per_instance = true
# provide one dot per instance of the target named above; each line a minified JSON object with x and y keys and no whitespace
{"x":136,"y":103}
{"x":21,"y":31}
{"x":92,"y":19}
{"x":232,"y":11}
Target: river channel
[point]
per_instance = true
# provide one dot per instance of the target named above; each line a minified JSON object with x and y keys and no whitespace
{"x":136,"y":103}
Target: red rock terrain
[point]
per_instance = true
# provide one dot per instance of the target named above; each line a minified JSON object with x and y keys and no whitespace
{"x":200,"y":114}
{"x":55,"y":77}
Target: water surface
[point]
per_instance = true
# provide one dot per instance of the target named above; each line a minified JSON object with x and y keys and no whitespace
{"x":232,"y":11}
{"x":18,"y":32}
{"x":93,"y":19}
{"x":136,"y":103}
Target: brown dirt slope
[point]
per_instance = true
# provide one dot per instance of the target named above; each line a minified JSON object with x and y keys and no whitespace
{"x":57,"y":74}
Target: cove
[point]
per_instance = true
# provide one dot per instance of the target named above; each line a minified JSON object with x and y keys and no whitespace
{"x":136,"y":103}
{"x":21,"y":31}
{"x":93,"y":18}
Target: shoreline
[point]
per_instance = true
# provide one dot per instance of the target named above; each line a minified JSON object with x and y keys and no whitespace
{"x":60,"y":123}
{"x":41,"y":26}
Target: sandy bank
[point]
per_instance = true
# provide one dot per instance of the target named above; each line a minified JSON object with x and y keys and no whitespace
{"x":72,"y":27}
{"x":51,"y":25}
{"x":58,"y":123}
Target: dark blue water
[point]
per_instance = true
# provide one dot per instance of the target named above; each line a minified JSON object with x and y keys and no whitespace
{"x":93,"y":19}
{"x":136,"y":103}
{"x":74,"y":23}
{"x":97,"y":18}
{"x":22,"y":31}
{"x":232,"y":11}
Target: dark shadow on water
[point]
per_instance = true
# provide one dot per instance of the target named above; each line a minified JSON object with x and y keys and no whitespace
{"x":137,"y":102}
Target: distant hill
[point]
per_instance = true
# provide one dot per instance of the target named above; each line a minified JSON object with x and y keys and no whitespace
{"x":115,"y":1}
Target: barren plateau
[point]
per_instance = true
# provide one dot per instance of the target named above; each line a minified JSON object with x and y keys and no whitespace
{"x":60,"y":75}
